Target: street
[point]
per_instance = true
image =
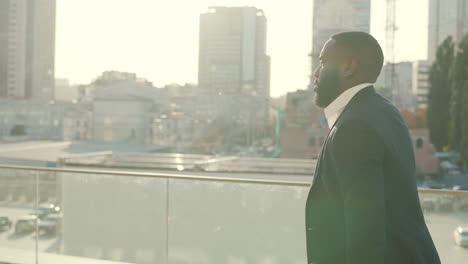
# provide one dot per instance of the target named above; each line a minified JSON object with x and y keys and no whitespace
{"x":441,"y":226}
{"x":8,"y":239}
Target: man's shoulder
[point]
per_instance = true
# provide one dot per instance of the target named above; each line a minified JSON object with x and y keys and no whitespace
{"x":371,"y":106}
{"x":375,"y":112}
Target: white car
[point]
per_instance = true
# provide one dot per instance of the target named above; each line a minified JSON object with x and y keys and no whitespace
{"x":461,"y":236}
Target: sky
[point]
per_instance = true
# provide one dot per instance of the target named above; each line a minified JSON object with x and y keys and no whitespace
{"x":158,"y":40}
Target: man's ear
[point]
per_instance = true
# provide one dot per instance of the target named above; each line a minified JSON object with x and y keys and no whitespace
{"x":350,"y":68}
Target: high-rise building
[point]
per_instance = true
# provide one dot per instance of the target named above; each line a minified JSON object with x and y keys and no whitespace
{"x":334,"y":16}
{"x":421,"y":85}
{"x":446,"y":18}
{"x":234,"y":69}
{"x":3,"y":48}
{"x":232,"y":55}
{"x":27,"y":49}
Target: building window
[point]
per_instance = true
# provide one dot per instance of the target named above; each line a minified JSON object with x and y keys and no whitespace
{"x":312,"y":140}
{"x":322,"y":140}
{"x":419,"y":143}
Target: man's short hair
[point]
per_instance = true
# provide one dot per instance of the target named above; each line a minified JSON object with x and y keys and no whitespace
{"x":363,"y":47}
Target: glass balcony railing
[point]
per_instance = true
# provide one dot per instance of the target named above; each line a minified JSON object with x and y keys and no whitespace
{"x":82,"y":216}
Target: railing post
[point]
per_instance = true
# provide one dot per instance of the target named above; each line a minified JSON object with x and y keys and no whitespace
{"x":168,"y":217}
{"x":36,"y":220}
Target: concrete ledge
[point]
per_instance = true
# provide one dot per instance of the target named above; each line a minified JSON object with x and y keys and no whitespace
{"x":19,"y":256}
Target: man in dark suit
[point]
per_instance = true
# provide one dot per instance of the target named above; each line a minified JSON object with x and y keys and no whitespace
{"x":363,"y":205}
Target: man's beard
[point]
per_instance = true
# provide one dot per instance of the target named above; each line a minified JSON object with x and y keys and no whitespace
{"x":328,"y":89}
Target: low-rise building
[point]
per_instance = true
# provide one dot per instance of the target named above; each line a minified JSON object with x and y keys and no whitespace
{"x":77,"y":124}
{"x":238,"y":119}
{"x":31,"y":119}
{"x":122,"y":107}
{"x":426,"y":162}
{"x":121,"y":120}
{"x":304,"y":128}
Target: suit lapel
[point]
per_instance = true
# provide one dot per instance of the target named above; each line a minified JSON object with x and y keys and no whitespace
{"x":322,"y":152}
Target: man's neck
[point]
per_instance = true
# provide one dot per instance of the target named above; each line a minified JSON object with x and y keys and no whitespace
{"x":334,"y":110}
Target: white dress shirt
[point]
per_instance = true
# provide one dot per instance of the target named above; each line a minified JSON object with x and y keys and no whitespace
{"x":334,"y":110}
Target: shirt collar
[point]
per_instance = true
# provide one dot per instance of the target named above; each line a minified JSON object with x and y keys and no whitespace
{"x":334,"y":110}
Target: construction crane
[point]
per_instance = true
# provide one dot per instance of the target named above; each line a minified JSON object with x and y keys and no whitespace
{"x":391,"y":79}
{"x":390,"y":29}
{"x":460,"y":19}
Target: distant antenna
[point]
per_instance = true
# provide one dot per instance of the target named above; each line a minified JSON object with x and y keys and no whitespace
{"x":460,"y":19}
{"x":392,"y":80}
{"x":390,"y":30}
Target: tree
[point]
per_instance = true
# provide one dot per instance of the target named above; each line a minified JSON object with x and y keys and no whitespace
{"x":438,"y":112}
{"x":459,"y":79}
{"x":464,"y":125}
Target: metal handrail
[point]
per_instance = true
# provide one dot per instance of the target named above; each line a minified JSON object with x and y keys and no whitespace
{"x":198,"y":178}
{"x":157,"y":175}
{"x":442,"y":192}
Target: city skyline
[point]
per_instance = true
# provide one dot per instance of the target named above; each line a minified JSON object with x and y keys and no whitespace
{"x":232,"y":52}
{"x":27,"y":49}
{"x":447,"y":18}
{"x":137,"y":38}
{"x":331,"y":17}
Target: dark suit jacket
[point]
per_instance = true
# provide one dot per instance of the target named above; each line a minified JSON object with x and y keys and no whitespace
{"x":363,"y":205}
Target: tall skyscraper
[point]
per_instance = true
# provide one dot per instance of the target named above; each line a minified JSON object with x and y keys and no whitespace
{"x":27,"y":49}
{"x":446,"y":18}
{"x":234,"y":69}
{"x":232,"y":55}
{"x":334,"y":16}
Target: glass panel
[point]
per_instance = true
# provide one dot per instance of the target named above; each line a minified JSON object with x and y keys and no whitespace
{"x":17,"y":217}
{"x":49,"y":209}
{"x":444,"y":214}
{"x":104,"y":217}
{"x":221,"y":222}
{"x":125,"y":219}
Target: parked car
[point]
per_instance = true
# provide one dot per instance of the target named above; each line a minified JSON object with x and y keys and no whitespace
{"x":49,"y":208}
{"x":5,"y":223}
{"x":433,"y":185}
{"x":25,"y":224}
{"x":460,"y":188}
{"x":50,"y":224}
{"x":461,"y":236}
{"x":40,"y":213}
